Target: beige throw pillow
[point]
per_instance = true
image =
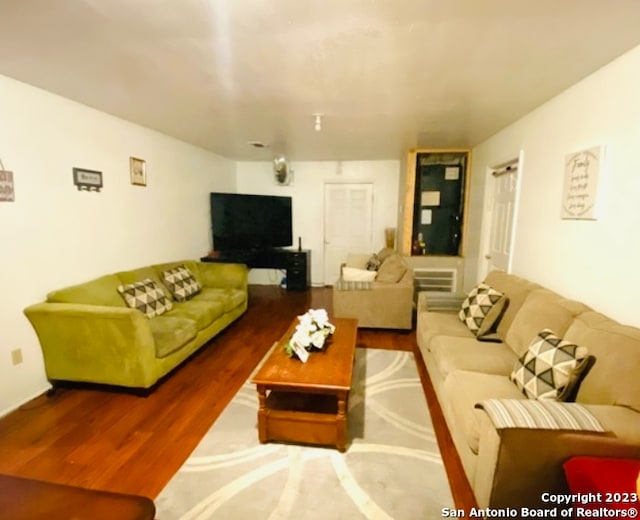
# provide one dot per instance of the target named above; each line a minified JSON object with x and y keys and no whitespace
{"x":373,"y":264}
{"x":385,"y":253}
{"x":392,"y":269}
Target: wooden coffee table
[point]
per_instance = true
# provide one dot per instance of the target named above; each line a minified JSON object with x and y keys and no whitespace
{"x":28,"y":499}
{"x":307,"y":402}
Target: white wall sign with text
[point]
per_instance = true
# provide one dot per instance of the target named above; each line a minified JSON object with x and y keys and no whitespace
{"x":581,"y":177}
{"x":7,"y":193}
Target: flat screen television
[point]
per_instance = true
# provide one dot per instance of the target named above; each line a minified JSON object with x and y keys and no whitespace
{"x":243,"y":222}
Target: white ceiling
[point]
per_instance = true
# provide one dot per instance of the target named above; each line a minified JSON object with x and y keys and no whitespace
{"x":387,"y":74}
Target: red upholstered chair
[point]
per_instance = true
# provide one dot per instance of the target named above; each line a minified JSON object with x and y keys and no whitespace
{"x":613,"y":482}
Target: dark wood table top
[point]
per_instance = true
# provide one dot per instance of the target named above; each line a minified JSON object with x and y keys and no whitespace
{"x":327,"y":369}
{"x":28,"y":499}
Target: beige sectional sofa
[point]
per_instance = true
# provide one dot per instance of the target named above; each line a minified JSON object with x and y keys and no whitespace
{"x":513,"y":467}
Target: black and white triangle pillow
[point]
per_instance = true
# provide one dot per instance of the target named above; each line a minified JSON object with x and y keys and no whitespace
{"x":147,"y":297}
{"x":482,"y":308}
{"x":181,"y":283}
{"x":548,"y":367}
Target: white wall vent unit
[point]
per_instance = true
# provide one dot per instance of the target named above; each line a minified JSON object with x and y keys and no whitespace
{"x":435,"y":280}
{"x":440,"y":286}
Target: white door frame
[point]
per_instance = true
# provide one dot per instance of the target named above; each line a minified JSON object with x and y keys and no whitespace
{"x":485,"y":260}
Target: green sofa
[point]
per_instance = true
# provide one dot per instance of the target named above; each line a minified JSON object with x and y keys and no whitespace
{"x":88,"y":334}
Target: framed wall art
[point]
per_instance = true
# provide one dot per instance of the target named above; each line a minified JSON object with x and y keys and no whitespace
{"x":581,"y":179}
{"x":7,"y":192}
{"x":138,"y":170}
{"x":89,"y":180}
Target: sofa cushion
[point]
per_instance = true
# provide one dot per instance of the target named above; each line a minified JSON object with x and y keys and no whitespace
{"x":181,"y":283}
{"x":613,"y":379}
{"x":392,"y":269}
{"x":543,"y":309}
{"x":624,"y":421}
{"x":230,"y":298}
{"x":516,"y":290}
{"x":482,"y":308}
{"x":463,"y":389}
{"x":171,"y":333}
{"x":203,"y":312}
{"x":433,"y":324}
{"x":550,"y":368}
{"x":101,"y":291}
{"x":451,"y":353}
{"x":146,"y":296}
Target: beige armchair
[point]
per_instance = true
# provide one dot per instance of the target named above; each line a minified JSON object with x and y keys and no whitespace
{"x":384,"y":302}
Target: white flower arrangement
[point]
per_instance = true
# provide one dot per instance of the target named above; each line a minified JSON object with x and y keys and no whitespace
{"x":311,"y":332}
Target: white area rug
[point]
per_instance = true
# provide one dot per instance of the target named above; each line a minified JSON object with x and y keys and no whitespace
{"x":391,"y":470}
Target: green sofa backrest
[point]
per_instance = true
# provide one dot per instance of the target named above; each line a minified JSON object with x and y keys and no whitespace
{"x":155,"y":273}
{"x":101,"y":291}
{"x":104,"y":290}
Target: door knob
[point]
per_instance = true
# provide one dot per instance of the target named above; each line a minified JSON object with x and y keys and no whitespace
{"x":487,"y":257}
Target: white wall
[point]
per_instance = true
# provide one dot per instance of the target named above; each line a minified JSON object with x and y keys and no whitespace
{"x":592,"y":261}
{"x":54,"y":235}
{"x":308,"y":202}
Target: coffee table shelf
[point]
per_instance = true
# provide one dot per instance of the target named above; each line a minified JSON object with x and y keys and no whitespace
{"x":314,"y":404}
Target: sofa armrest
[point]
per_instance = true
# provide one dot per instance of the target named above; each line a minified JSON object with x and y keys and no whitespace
{"x":94,"y":343}
{"x":423,"y":303}
{"x":385,"y":305}
{"x":516,"y":466}
{"x":407,"y":280}
{"x":222,"y":275}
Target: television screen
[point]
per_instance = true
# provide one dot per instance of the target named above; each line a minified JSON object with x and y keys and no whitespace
{"x":244,"y":222}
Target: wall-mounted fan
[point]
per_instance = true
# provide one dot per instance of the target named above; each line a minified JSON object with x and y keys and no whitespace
{"x":282,"y":172}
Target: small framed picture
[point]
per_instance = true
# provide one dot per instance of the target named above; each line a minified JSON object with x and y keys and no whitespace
{"x":138,"y":171}
{"x":89,"y":180}
{"x":7,"y":193}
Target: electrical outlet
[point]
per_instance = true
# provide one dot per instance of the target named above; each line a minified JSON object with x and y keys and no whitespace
{"x":16,"y":356}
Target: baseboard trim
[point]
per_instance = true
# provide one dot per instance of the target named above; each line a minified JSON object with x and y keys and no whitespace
{"x":24,"y":401}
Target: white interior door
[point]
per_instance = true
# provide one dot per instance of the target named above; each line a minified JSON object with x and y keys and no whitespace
{"x":504,"y":198}
{"x":348,"y":217}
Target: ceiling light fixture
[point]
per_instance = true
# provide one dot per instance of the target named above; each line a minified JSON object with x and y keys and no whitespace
{"x":318,"y":122}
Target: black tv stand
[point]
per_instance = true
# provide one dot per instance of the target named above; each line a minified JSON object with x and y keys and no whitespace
{"x":296,"y":262}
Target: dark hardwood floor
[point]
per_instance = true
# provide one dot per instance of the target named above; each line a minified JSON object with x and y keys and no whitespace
{"x":106,"y":439}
